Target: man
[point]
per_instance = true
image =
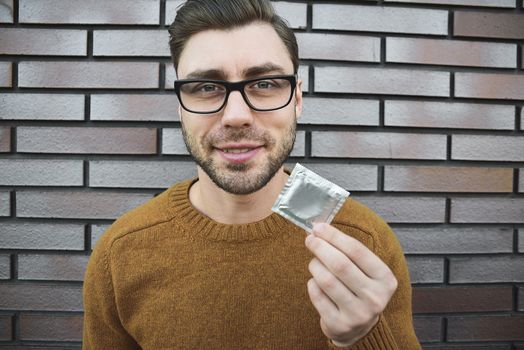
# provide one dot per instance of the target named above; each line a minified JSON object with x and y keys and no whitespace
{"x":206,"y":264}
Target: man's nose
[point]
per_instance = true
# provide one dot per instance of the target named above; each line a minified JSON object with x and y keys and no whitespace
{"x":236,"y":112}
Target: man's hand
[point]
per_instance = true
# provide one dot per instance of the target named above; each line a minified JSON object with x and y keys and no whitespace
{"x":350,"y":287}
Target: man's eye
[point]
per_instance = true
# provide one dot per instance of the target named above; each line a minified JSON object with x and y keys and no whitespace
{"x":265,"y":84}
{"x":208,"y":88}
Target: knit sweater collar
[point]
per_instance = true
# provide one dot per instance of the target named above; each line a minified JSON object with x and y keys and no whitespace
{"x":202,"y":225}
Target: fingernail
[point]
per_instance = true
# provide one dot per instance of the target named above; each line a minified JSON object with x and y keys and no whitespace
{"x":318,"y":227}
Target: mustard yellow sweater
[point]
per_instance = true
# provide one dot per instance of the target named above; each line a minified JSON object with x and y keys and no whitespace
{"x":164,"y":276}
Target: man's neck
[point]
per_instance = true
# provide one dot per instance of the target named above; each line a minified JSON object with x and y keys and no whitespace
{"x":229,"y":208}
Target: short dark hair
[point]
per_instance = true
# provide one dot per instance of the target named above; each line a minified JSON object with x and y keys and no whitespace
{"x":195,"y":16}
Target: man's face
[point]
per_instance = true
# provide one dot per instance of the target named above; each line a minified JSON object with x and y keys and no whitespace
{"x":240,"y":149}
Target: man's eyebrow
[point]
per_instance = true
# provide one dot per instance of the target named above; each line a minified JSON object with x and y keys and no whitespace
{"x":207,"y":74}
{"x":263,"y":69}
{"x":247,"y":73}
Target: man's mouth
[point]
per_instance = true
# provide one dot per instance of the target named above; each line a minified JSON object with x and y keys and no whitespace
{"x":238,"y":153}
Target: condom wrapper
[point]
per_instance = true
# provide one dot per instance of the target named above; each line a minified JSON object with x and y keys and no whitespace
{"x":307,"y":198}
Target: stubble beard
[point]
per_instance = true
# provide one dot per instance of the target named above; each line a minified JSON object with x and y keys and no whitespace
{"x":236,"y":178}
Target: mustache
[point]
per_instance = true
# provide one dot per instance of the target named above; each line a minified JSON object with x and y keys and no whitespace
{"x":236,"y":135}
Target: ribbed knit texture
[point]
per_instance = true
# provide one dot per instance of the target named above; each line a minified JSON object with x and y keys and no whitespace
{"x":164,"y":276}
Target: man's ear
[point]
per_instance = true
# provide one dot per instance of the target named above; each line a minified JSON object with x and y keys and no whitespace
{"x":179,"y":113}
{"x":298,"y":98}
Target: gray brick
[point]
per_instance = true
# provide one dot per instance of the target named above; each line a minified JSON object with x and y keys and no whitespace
{"x":96,"y":232}
{"x":40,"y":297}
{"x":381,"y":81}
{"x":451,"y":52}
{"x":86,"y":140}
{"x":5,"y":203}
{"x":51,"y":267}
{"x":51,"y":327}
{"x":5,"y":267}
{"x":89,"y":11}
{"x":426,"y":269}
{"x":23,"y":41}
{"x":131,"y":43}
{"x":101,"y":75}
{"x":352,"y":177}
{"x":5,"y":74}
{"x":447,"y":179}
{"x":488,"y":147}
{"x":521,"y":241}
{"x":339,"y":111}
{"x":79,"y":205}
{"x":488,"y":85}
{"x":488,"y":24}
{"x":173,"y":141}
{"x":428,"y":329}
{"x":171,"y":7}
{"x":428,"y":114}
{"x":521,"y":299}
{"x":5,"y":139}
{"x":40,"y":172}
{"x":6,"y":11}
{"x":489,"y":269}
{"x":487,"y":210}
{"x":377,"y":145}
{"x":294,"y":13}
{"x":486,"y":3}
{"x":380,"y":19}
{"x":299,"y":148}
{"x":521,"y":180}
{"x":469,"y":240}
{"x":170,"y":76}
{"x":338,"y":47}
{"x":139,"y":174}
{"x":42,"y":236}
{"x":407,"y":209}
{"x":134,"y":107}
{"x":41,"y":107}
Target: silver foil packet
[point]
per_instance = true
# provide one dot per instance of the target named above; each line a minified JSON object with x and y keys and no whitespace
{"x":308,"y":197}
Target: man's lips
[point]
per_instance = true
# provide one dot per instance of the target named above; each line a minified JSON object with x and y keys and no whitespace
{"x":238,"y":153}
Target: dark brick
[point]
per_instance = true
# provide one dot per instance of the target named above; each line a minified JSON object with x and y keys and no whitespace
{"x":42,"y":297}
{"x":5,"y":139}
{"x":51,"y":327}
{"x":521,"y":299}
{"x":486,"y":328}
{"x":489,"y":24}
{"x":51,"y":267}
{"x":455,"y":240}
{"x":6,"y":325}
{"x":42,"y":236}
{"x":428,"y":329}
{"x":447,"y":179}
{"x":426,"y":114}
{"x":487,"y":269}
{"x":82,"y":205}
{"x":86,"y":140}
{"x":462,"y":299}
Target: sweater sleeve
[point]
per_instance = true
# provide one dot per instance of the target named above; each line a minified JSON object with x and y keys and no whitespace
{"x":102,"y":327}
{"x":394,"y":330}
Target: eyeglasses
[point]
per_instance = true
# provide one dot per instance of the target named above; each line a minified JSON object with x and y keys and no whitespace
{"x":263,"y":94}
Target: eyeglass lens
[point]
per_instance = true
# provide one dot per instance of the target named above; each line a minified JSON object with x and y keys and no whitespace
{"x":263,"y":94}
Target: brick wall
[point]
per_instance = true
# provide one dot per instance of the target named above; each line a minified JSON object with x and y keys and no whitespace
{"x":416,"y":106}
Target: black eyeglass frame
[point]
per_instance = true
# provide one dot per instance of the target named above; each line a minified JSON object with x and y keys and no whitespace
{"x":236,"y":86}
